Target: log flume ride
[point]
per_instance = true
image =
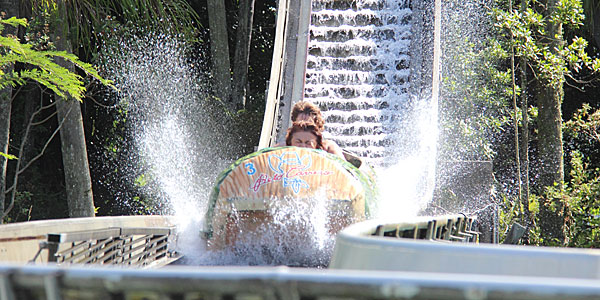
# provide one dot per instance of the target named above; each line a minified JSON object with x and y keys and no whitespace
{"x":246,"y":194}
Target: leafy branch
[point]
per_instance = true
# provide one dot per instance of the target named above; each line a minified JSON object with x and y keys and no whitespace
{"x":45,"y":70}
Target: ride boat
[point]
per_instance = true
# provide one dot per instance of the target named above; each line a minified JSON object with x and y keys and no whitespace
{"x":247,"y":193}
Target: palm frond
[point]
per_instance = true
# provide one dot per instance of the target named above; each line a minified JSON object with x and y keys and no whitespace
{"x":86,"y":16}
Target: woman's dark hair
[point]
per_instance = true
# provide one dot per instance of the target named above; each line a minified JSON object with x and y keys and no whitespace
{"x":305,"y":107}
{"x":307,"y":126}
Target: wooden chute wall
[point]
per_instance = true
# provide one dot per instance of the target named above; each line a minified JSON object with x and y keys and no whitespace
{"x":286,"y":84}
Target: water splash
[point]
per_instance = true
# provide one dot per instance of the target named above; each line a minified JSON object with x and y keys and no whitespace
{"x":173,"y":144}
{"x":407,"y":183}
{"x":292,"y":232}
{"x":468,"y":109}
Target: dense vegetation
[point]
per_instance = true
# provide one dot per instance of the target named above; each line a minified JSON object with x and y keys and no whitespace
{"x":525,"y":89}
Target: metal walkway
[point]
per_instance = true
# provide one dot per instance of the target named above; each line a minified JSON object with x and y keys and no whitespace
{"x":55,"y":283}
{"x":132,"y":247}
{"x":137,"y":241}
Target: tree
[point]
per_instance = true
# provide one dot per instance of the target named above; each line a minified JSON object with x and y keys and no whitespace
{"x":84,"y":18}
{"x":537,"y":35}
{"x":219,"y":45}
{"x":89,"y":23}
{"x":230,"y":92}
{"x":242,"y":52}
{"x":549,"y":100}
{"x":46,"y":71}
{"x":9,"y":9}
{"x":74,"y":151}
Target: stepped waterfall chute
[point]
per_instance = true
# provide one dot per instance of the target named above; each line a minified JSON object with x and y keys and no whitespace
{"x":358,"y":72}
{"x":255,"y":188}
{"x":368,"y":69}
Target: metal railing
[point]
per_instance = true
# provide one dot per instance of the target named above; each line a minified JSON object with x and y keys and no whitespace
{"x":454,"y":228}
{"x":132,"y":247}
{"x":448,"y":245}
{"x":272,"y":283}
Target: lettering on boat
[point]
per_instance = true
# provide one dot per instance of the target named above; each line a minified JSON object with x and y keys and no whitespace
{"x":288,"y":168}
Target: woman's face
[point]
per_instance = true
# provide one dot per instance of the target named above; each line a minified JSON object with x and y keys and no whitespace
{"x":304,"y":139}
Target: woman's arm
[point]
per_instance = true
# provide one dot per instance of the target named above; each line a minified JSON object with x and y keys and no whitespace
{"x":333,"y":148}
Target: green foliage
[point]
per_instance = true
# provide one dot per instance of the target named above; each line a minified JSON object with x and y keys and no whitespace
{"x":37,"y":62}
{"x":141,"y":180}
{"x":511,"y":211}
{"x":7,"y":156}
{"x":536,"y":34}
{"x":568,"y":12}
{"x":578,"y":201}
{"x":86,"y":19}
{"x":584,"y":123}
{"x":551,"y":58}
{"x":45,"y":70}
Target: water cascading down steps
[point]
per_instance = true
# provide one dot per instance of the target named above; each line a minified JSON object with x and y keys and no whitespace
{"x":358,"y":71}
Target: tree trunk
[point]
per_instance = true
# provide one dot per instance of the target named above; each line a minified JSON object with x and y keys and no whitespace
{"x":242,"y":52}
{"x":5,"y":109}
{"x":526,"y":219}
{"x":550,"y":139}
{"x":11,"y":7}
{"x":221,"y":66}
{"x":525,"y":142}
{"x":595,"y":22}
{"x":74,"y":153}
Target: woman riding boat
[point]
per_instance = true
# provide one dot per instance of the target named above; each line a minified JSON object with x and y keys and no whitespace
{"x":243,"y":196}
{"x":306,"y":111}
